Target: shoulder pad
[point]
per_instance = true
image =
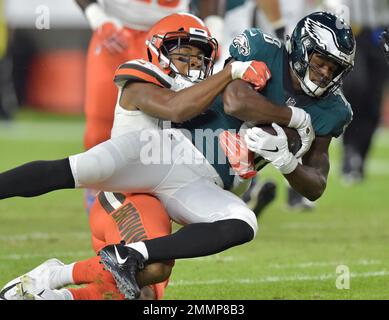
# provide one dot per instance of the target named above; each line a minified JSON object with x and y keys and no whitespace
{"x":141,"y":71}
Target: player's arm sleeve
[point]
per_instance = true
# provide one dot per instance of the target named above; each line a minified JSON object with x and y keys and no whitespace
{"x":253,"y":44}
{"x":133,"y":71}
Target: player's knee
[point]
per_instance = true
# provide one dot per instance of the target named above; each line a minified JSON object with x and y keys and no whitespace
{"x":241,"y":212}
{"x":92,"y":167}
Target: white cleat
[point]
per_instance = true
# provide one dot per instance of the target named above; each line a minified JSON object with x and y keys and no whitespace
{"x":42,"y":277}
{"x":28,"y":290}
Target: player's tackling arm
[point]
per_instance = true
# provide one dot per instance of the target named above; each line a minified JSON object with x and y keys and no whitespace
{"x":310,"y":178}
{"x":175,"y":106}
{"x":185,"y":104}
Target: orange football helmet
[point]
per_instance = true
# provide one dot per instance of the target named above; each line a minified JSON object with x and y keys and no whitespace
{"x":180,"y":29}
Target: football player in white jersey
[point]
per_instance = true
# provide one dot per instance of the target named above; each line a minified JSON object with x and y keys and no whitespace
{"x":119,"y":30}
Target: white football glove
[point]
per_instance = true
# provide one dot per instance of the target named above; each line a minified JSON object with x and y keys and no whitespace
{"x":301,"y":121}
{"x":272,"y":148}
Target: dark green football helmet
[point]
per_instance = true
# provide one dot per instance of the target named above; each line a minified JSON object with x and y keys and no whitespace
{"x":325,"y":34}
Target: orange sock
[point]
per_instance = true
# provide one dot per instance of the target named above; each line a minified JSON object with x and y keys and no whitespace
{"x":89,"y":271}
{"x":100,"y":283}
{"x":97,"y":291}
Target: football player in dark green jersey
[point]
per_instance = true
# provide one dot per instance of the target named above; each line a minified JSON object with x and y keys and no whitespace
{"x":306,"y":75}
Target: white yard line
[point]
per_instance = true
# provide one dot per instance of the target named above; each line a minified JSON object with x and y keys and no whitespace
{"x":272,"y":279}
{"x":312,"y":264}
{"x":71,"y":254}
{"x":45,"y":236}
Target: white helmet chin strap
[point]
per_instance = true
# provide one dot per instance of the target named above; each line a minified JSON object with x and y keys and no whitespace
{"x":311,"y":88}
{"x":194,"y":75}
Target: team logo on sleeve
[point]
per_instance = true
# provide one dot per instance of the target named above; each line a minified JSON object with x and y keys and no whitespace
{"x":241,"y":43}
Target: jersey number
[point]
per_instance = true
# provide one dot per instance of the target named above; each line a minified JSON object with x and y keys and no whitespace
{"x":269,"y":39}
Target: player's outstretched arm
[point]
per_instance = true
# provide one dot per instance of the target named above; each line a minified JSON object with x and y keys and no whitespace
{"x":185,"y":104}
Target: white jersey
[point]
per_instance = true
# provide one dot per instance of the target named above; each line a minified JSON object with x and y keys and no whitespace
{"x":144,"y":71}
{"x":142,"y":14}
{"x":141,"y":158}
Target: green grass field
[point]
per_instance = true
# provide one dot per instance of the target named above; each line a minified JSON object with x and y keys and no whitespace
{"x":294,"y":256}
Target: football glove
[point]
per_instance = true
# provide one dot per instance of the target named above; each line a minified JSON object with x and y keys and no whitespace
{"x":110,"y":32}
{"x":272,"y":148}
{"x":254,"y":72}
{"x":113,"y":38}
{"x":301,"y":121}
{"x":239,"y":156}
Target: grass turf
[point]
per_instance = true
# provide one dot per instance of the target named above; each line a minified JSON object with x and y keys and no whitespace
{"x":294,"y":256}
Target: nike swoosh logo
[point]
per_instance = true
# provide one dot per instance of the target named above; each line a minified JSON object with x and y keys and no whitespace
{"x":40,"y":293}
{"x":273,"y":150}
{"x":119,"y":258}
{"x":5,"y":290}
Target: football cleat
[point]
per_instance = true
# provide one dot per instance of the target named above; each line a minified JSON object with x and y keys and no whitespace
{"x":297,"y":202}
{"x":124,"y":263}
{"x":258,"y":196}
{"x":29,"y":290}
{"x":42,"y":276}
{"x":11,"y":292}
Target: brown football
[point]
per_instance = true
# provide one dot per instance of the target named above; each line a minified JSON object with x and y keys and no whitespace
{"x":294,"y":143}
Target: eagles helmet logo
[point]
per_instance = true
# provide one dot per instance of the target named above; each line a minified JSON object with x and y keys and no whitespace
{"x":241,"y":43}
{"x":324,"y":36}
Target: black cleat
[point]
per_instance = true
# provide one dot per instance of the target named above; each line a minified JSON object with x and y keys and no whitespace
{"x":265,"y":196}
{"x":259,"y":196}
{"x":297,"y":202}
{"x":124,"y":263}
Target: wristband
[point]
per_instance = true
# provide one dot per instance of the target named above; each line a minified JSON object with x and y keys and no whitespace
{"x":298,"y":117}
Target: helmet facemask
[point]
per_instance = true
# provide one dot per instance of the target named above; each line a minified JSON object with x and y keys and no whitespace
{"x":326,"y":86}
{"x":176,"y":41}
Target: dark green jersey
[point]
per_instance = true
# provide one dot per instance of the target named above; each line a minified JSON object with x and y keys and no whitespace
{"x":205,"y":129}
{"x":330,"y":115}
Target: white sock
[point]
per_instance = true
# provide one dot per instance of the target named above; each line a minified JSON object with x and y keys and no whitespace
{"x":140,"y":247}
{"x":63,"y":276}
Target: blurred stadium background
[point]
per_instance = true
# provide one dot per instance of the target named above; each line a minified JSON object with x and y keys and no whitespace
{"x":295,"y":255}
